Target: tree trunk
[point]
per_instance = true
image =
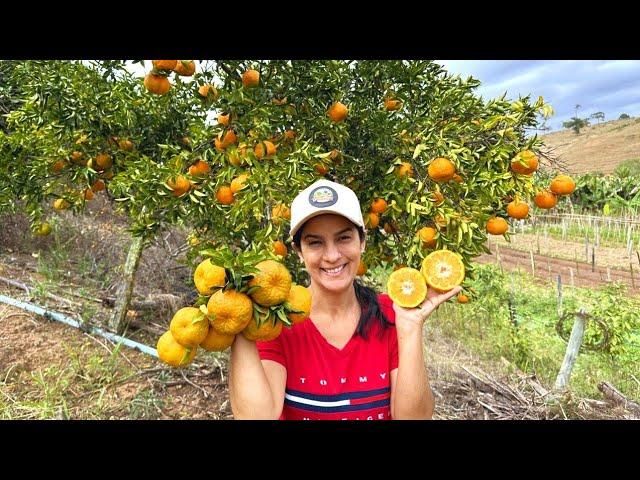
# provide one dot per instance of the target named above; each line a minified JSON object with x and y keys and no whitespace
{"x":573,"y":347}
{"x":123,"y":297}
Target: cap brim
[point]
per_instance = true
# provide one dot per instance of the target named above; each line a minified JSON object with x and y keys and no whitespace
{"x":323,"y":212}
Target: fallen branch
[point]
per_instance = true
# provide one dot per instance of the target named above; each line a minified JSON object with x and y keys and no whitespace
{"x":613,"y":394}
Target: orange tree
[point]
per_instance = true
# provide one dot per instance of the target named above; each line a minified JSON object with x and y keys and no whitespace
{"x":226,"y":153}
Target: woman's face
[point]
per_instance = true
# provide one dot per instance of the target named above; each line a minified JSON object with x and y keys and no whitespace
{"x":331,"y":248}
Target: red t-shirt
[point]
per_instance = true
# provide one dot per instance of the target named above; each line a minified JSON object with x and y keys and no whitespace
{"x":325,"y":383}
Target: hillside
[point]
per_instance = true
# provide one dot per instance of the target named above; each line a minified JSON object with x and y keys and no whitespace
{"x":598,"y":148}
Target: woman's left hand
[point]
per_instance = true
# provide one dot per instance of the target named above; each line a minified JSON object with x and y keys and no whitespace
{"x":415,"y":317}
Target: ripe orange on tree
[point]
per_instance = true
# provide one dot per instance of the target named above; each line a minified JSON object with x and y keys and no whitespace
{"x":289,"y":135}
{"x":238,"y":183}
{"x":58,"y":166}
{"x":98,"y":186}
{"x":379,"y":205}
{"x":179,"y":185}
{"x":407,"y":287}
{"x":462,"y":298}
{"x":208,"y":91}
{"x":250,"y":78}
{"x":279,"y":248}
{"x":427,"y":235}
{"x":274,"y":281}
{"x":525,"y":163}
{"x":517,"y":209}
{"x":405,"y":169}
{"x":157,"y":84}
{"x":225,"y":195}
{"x":441,"y":169}
{"x":125,"y":144}
{"x":562,"y":185}
{"x":362,"y":268}
{"x":265,"y":149}
{"x":321,"y":168}
{"x":497,"y":226}
{"x":280,"y":212}
{"x":338,"y":112}
{"x":104,"y":161}
{"x":545,"y":199}
{"x":372,"y":220}
{"x":164,"y":64}
{"x":443,"y":270}
{"x":391,"y":104}
{"x":223,"y":119}
{"x":186,"y":68}
{"x":229,"y":311}
{"x":200,"y":168}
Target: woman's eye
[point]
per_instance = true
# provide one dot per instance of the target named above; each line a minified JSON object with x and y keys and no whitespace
{"x":346,"y":238}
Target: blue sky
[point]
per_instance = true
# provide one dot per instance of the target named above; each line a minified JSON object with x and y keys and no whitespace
{"x":609,"y":86}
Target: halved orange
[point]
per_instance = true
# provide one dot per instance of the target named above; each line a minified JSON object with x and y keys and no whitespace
{"x":407,"y":287}
{"x":443,"y":270}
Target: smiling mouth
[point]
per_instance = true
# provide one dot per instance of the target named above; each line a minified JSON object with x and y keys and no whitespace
{"x":334,"y":272}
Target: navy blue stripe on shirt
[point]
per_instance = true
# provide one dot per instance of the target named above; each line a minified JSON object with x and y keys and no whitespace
{"x":342,"y":408}
{"x":339,"y":396}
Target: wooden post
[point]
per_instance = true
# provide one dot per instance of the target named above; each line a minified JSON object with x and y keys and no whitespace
{"x":597,"y":228}
{"x":118,"y":322}
{"x":586,"y":247}
{"x":633,"y":284}
{"x":533,"y":264}
{"x":564,"y":229}
{"x":571,"y":354}
{"x":559,"y":296}
{"x":593,"y":259}
{"x":571,"y":274}
{"x":538,"y":242}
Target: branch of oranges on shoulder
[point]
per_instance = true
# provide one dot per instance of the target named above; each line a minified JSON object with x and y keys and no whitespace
{"x":241,"y":293}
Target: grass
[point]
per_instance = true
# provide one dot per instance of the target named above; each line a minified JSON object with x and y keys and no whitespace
{"x":514,"y":318}
{"x":75,"y":388}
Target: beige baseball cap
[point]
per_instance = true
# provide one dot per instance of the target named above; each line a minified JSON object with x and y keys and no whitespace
{"x":325,"y":196}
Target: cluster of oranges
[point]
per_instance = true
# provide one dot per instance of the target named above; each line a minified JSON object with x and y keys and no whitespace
{"x":526,"y":163}
{"x":157,"y":81}
{"x":102,"y":163}
{"x":258,"y":310}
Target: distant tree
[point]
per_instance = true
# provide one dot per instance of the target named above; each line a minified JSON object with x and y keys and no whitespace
{"x":623,"y":116}
{"x":576,"y":124}
{"x":598,"y":116}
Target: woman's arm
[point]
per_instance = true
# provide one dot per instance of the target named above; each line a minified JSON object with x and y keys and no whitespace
{"x":256,"y":388}
{"x":411,"y":395}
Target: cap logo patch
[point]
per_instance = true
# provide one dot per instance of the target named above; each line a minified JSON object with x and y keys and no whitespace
{"x":323,"y":197}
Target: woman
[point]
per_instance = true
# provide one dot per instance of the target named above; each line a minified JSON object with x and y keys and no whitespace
{"x":358,"y":355}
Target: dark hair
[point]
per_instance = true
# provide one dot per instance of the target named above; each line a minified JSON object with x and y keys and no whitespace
{"x":366,"y":296}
